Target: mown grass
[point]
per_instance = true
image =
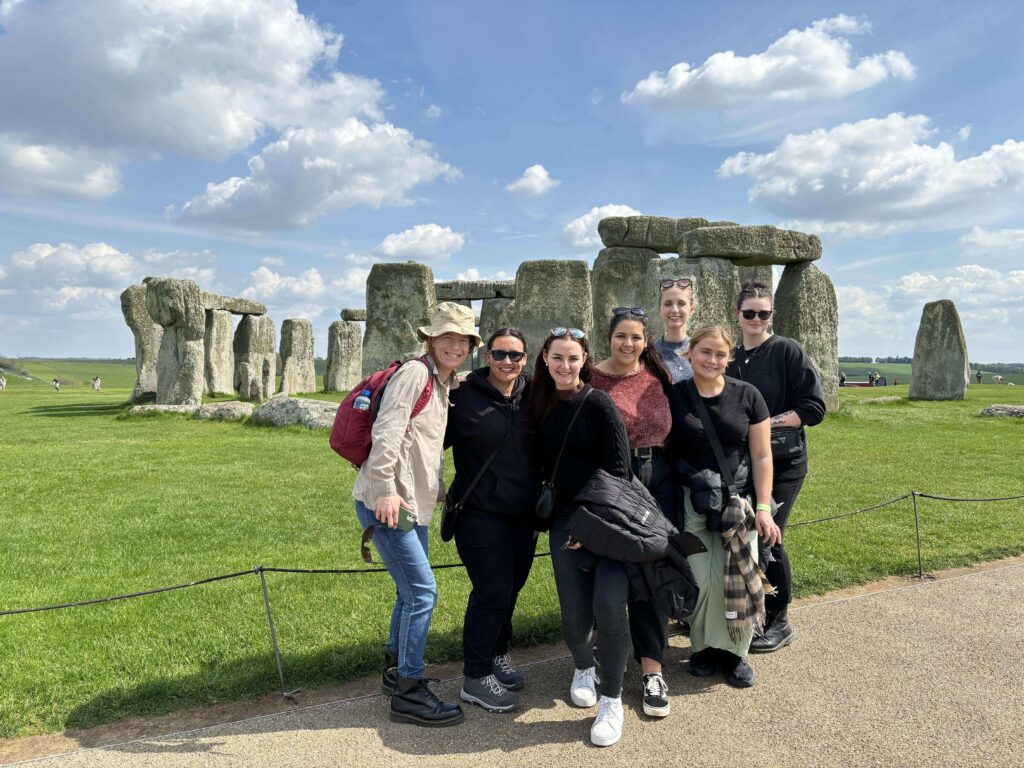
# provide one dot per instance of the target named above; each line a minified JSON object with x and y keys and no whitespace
{"x":900,"y":372}
{"x":93,"y":505}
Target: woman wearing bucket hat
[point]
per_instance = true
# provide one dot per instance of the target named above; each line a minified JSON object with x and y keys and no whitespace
{"x":401,"y":479}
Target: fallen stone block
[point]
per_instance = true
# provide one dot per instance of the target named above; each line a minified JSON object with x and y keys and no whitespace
{"x":283,"y":411}
{"x":230,"y":411}
{"x":1009,"y":411}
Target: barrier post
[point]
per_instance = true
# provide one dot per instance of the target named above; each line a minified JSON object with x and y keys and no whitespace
{"x":917,"y":529}
{"x":291,"y":695}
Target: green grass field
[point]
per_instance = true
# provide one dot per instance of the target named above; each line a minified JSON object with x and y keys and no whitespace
{"x":900,"y":372}
{"x":96,"y":505}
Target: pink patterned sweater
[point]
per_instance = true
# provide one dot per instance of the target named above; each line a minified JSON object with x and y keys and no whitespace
{"x":641,"y":402}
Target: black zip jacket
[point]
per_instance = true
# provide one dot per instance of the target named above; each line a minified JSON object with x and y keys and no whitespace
{"x":476,"y":422}
{"x":620,"y":519}
{"x":786,"y":379}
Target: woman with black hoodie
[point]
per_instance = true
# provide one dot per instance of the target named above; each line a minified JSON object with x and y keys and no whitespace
{"x":494,"y":532}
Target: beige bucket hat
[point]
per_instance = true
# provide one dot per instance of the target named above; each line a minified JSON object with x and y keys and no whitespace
{"x":450,"y":317}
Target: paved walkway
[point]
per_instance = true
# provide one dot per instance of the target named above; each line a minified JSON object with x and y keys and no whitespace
{"x":927,"y":675}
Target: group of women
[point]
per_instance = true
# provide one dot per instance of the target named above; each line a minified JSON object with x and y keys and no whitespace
{"x":640,"y":413}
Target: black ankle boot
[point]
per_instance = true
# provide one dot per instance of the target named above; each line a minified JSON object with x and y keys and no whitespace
{"x":777,"y":634}
{"x":387,"y":682}
{"x":414,"y":702}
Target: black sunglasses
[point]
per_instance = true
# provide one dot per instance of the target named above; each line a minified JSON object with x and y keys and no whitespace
{"x":638,"y":311}
{"x":561,"y":330}
{"x":760,"y":314}
{"x":501,"y":354}
{"x":682,"y":282}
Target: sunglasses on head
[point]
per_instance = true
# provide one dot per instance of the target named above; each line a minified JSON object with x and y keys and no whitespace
{"x":682,"y":282}
{"x":760,"y":314}
{"x":561,"y":330}
{"x":501,"y":354}
{"x":638,"y":311}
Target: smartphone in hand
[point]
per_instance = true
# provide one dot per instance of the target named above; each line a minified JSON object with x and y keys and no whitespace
{"x":406,"y":519}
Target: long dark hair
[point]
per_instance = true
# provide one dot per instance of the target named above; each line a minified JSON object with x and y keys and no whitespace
{"x":753,"y":290}
{"x":543,"y":398}
{"x":651,"y":356}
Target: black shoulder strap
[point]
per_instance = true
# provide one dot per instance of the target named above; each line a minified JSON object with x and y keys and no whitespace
{"x":554,"y":472}
{"x":709,"y":429}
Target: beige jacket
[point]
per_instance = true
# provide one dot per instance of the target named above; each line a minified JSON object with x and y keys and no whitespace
{"x":407,"y":455}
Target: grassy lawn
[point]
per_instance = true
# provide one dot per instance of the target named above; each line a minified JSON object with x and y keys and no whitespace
{"x":900,"y":372}
{"x":94,"y":505}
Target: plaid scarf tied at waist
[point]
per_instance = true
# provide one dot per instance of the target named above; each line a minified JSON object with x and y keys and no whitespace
{"x":745,"y":584}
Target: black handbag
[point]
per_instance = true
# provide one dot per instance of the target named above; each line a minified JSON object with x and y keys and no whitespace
{"x":450,"y":510}
{"x":545,"y":506}
{"x":713,"y":489}
{"x":787,"y":443}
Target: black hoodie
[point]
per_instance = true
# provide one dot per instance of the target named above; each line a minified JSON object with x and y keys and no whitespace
{"x":476,"y":422}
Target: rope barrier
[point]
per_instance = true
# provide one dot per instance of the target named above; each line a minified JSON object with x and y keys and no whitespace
{"x":949,"y":498}
{"x":851,"y":514}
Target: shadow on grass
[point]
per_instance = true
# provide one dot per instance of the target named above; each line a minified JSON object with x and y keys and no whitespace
{"x":77,"y":409}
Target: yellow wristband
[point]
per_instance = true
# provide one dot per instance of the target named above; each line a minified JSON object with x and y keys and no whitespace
{"x":762,"y":507}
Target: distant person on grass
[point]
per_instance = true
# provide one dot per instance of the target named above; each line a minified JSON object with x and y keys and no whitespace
{"x":978,"y":376}
{"x":780,"y":370}
{"x":497,"y":490}
{"x":56,"y":385}
{"x":565,"y":410}
{"x":3,"y":384}
{"x":95,"y":383}
{"x":403,"y":472}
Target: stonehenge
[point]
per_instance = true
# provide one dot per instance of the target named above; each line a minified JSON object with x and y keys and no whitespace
{"x":190,"y":326}
{"x":940,"y":370}
{"x":297,"y":372}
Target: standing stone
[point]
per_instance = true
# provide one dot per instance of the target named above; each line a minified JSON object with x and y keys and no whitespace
{"x":177,"y":305}
{"x":617,"y":280}
{"x":552,"y":293}
{"x":940,"y":368}
{"x":718,"y":285}
{"x":762,"y":274}
{"x":220,"y":360}
{"x":495,"y":314}
{"x":344,"y":356}
{"x":298,"y":373}
{"x":255,"y":358}
{"x":147,"y":340}
{"x":806,"y":310}
{"x":399,"y":299}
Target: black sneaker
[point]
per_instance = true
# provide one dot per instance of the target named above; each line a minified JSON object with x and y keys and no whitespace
{"x":506,"y":674}
{"x":703,"y":663}
{"x":656,"y":703}
{"x":740,"y":676}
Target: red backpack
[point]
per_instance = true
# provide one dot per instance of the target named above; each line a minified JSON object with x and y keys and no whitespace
{"x":351,"y":436}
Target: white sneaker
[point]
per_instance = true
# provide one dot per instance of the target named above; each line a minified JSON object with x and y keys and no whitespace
{"x":583,"y":690}
{"x":607,"y":728}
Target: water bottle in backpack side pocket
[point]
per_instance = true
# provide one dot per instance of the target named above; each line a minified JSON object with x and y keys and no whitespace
{"x":362,"y":402}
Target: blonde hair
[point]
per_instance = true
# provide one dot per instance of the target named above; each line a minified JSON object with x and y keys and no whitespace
{"x":708,"y":331}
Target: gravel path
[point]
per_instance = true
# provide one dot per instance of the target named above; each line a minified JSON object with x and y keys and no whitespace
{"x":926,"y":675}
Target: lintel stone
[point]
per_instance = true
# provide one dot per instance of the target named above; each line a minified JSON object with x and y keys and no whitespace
{"x":751,"y":246}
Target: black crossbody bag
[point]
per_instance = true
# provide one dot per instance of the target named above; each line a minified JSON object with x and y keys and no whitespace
{"x":710,"y":491}
{"x":450,"y":511}
{"x":546,"y":501}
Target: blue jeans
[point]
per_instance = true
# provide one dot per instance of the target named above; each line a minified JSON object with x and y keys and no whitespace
{"x":405,"y":556}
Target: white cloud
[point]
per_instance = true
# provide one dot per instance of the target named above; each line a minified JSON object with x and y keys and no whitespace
{"x":30,"y":169}
{"x":980,"y":240}
{"x":273,"y":261}
{"x":815,"y":63}
{"x":434,"y":112}
{"x":883,"y":320}
{"x":430,"y":242}
{"x":474,"y":274}
{"x":581,"y":233}
{"x":964,"y":133}
{"x":308,"y":294}
{"x":535,"y":181}
{"x":309,"y":173}
{"x":880,"y":175}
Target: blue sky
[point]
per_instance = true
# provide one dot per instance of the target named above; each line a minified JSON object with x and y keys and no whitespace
{"x":277,"y":150}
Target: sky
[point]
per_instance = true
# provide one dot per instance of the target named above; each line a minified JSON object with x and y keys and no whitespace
{"x":276,"y":149}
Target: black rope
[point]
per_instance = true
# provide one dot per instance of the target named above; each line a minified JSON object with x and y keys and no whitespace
{"x":851,"y":514}
{"x":94,"y":601}
{"x":948,"y":498}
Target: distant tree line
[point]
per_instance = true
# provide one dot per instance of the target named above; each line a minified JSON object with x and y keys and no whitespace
{"x":843,"y":359}
{"x":897,"y":359}
{"x":998,"y":367}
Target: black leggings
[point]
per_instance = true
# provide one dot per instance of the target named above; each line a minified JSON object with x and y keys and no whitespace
{"x":779,"y":572}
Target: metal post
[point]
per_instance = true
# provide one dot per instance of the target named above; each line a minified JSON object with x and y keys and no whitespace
{"x":291,"y":695}
{"x":917,"y":528}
